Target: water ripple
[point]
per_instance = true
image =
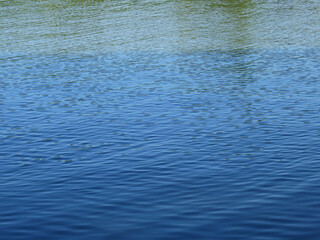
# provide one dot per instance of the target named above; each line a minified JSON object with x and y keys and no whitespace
{"x":159,"y":120}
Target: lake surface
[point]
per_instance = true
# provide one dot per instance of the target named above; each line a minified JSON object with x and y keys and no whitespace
{"x":159,"y":119}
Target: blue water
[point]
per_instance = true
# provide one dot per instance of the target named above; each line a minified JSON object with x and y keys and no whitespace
{"x":211,"y":145}
{"x":142,"y":141}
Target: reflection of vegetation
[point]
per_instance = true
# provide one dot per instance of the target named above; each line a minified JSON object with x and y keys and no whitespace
{"x":240,"y":13}
{"x":225,"y":22}
{"x":83,"y":1}
{"x":234,"y":5}
{"x":227,"y":5}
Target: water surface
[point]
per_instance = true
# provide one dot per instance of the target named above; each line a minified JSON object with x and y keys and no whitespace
{"x":159,"y":119}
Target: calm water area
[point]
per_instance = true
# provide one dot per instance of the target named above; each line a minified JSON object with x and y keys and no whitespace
{"x":163,"y":119}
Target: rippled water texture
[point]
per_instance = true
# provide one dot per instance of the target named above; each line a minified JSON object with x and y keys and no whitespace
{"x":159,"y":120}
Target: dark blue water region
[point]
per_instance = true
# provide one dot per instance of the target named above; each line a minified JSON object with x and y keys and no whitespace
{"x":141,"y":145}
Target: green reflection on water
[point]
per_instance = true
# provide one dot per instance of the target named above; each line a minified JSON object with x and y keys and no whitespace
{"x":165,"y":26}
